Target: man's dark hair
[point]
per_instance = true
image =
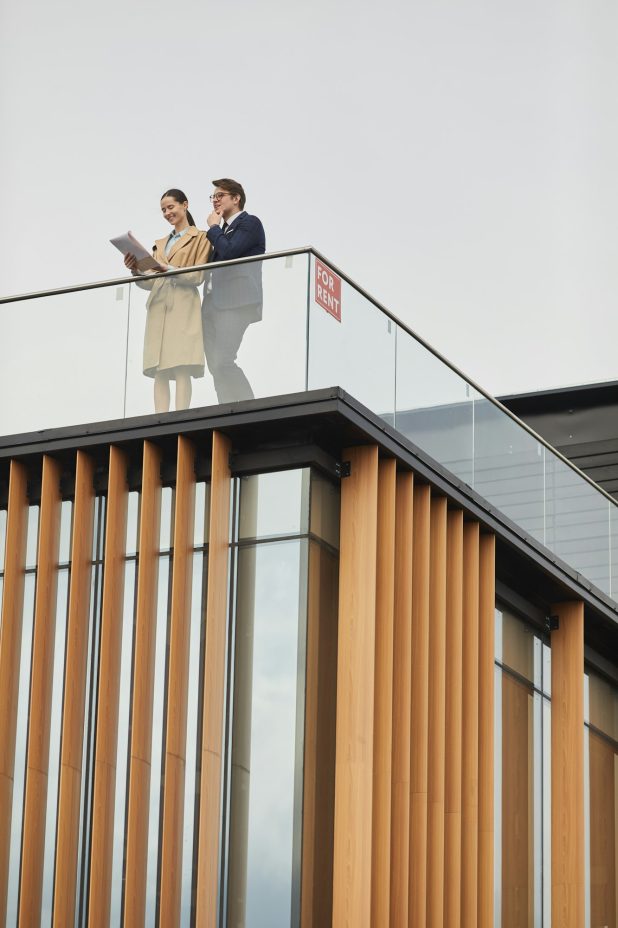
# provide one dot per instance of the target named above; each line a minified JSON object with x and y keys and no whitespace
{"x":233,"y":188}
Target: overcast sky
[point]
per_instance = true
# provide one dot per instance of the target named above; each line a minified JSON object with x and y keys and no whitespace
{"x":458,"y":159}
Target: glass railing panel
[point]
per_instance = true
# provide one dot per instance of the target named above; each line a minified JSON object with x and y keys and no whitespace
{"x":613,"y":550}
{"x":434,"y":407}
{"x":277,"y":326}
{"x":62,"y":359}
{"x":351,"y":342}
{"x":251,"y":319}
{"x":509,"y":467}
{"x":577,"y":522}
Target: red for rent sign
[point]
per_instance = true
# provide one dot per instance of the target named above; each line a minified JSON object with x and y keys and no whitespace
{"x":328,"y":290}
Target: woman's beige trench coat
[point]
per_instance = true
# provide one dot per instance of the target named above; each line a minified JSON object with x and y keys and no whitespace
{"x":173,"y":336}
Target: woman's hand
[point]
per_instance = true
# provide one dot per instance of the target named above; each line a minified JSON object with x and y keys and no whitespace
{"x":130,"y":262}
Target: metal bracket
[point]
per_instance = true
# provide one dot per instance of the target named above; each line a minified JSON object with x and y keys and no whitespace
{"x":343,"y":469}
{"x":552,"y":623}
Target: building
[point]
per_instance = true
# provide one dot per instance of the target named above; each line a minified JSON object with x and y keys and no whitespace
{"x":344,"y":653}
{"x":580,"y":422}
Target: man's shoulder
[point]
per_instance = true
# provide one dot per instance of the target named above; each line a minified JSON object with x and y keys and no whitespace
{"x":247,"y":219}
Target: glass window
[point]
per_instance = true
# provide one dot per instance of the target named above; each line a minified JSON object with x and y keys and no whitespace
{"x":62,"y":602}
{"x":89,"y":731}
{"x":276,"y":504}
{"x":122,"y":745}
{"x":19,"y":777}
{"x":157,"y":758}
{"x":522,"y":778}
{"x":32,"y":536}
{"x":262,"y":826}
{"x":283,"y":686}
{"x":603,"y":802}
{"x":2,"y":538}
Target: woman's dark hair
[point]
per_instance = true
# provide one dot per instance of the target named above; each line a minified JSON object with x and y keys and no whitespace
{"x":180,"y":197}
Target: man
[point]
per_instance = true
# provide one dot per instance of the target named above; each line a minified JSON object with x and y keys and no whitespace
{"x":233,"y":296}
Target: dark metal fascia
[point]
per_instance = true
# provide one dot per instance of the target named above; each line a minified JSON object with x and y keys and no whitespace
{"x":204,"y":419}
{"x":284,"y":458}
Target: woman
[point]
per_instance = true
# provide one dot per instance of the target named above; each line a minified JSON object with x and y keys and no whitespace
{"x":173,"y":345}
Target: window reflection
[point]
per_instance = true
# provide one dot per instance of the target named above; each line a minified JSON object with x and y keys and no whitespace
{"x":124,"y":707}
{"x":89,"y":733}
{"x":274,"y":504}
{"x":193,"y":759}
{"x":603,"y":802}
{"x":284,"y":685}
{"x":49,"y":857}
{"x":268,"y":622}
{"x":522,"y":775}
{"x":19,"y":776}
{"x":2,"y":538}
{"x":158,"y":737}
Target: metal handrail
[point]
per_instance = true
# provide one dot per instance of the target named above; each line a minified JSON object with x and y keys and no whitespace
{"x":118,"y":281}
{"x":309,"y":249}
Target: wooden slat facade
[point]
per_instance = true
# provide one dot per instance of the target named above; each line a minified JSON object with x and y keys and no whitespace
{"x":67,"y":837}
{"x":138,"y":800}
{"x":487,"y":648}
{"x":101,"y":842}
{"x":383,"y":698}
{"x":402,"y":689}
{"x":437,"y":714}
{"x":41,"y":679}
{"x":453,"y":720}
{"x":567,"y":769}
{"x":178,"y":686}
{"x":10,"y":656}
{"x":470,"y":728}
{"x":419,"y":719}
{"x":214,"y":672}
{"x":398,"y":779}
{"x":355,"y":691}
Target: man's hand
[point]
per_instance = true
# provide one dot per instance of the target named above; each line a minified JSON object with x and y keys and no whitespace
{"x":214,"y":219}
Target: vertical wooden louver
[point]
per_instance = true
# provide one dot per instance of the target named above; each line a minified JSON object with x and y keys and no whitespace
{"x":10,"y":655}
{"x":355,"y":691}
{"x":470,"y":725}
{"x":177,"y":687}
{"x":417,"y":894}
{"x":402,"y":688}
{"x":383,"y":699}
{"x":436,"y":764}
{"x":452,"y":782}
{"x":143,"y":688}
{"x":487,"y":602}
{"x":567,"y":769}
{"x":109,"y":690}
{"x":67,"y":837}
{"x":44,"y":633}
{"x":319,"y":742}
{"x":214,"y":674}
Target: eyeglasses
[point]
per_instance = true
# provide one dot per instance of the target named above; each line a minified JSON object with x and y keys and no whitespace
{"x":219,"y":196}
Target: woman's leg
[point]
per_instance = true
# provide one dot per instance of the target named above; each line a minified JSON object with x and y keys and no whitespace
{"x":183,"y":390}
{"x":162,"y":391}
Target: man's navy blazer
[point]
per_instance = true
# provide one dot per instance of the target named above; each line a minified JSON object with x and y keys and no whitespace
{"x":239,"y":286}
